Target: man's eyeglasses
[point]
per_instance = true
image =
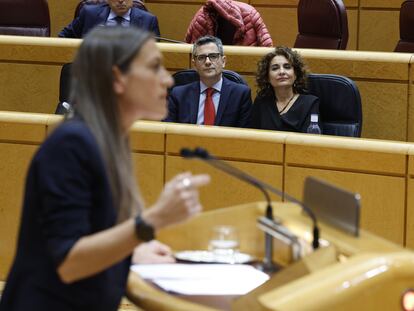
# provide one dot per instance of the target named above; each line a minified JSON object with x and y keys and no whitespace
{"x":213,"y":57}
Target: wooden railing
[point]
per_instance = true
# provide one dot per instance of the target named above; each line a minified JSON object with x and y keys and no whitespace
{"x":30,"y":71}
{"x":381,"y":171}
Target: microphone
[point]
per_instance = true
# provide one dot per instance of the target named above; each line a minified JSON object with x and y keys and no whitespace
{"x":168,"y":40}
{"x":203,"y":154}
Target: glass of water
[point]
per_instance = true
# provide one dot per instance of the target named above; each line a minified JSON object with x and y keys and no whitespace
{"x":224,"y":243}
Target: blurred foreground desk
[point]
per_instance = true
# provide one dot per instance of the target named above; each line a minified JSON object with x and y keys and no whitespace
{"x":347,"y":273}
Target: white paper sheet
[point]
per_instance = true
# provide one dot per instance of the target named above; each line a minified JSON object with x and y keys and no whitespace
{"x":203,"y":279}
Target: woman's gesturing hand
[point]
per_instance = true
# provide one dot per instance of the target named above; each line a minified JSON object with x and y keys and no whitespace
{"x":178,"y":201}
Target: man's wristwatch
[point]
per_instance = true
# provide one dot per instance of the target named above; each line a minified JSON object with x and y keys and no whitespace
{"x":145,"y":232}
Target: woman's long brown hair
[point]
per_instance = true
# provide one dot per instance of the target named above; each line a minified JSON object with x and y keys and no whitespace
{"x":93,"y":97}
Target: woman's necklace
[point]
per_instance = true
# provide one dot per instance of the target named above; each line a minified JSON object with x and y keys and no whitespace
{"x":287,"y":105}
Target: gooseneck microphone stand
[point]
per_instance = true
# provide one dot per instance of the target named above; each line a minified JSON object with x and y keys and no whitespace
{"x":168,"y":40}
{"x":203,"y":155}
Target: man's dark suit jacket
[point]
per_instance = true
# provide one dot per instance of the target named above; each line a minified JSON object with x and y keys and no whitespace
{"x":93,"y":15}
{"x":234,"y":106}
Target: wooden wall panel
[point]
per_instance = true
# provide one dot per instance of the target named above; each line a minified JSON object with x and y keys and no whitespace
{"x":410,"y":211}
{"x":281,"y":3}
{"x":176,"y":57}
{"x":225,"y":190}
{"x":149,"y":170}
{"x":37,"y":50}
{"x":14,"y":161}
{"x":385,"y":109}
{"x":345,"y":159}
{"x":411,"y":162}
{"x":410,"y":200}
{"x":29,"y":87}
{"x":259,"y":146}
{"x":379,"y":30}
{"x":147,"y":140}
{"x":148,"y":136}
{"x":362,"y":65}
{"x":282,"y":24}
{"x":410,"y":118}
{"x":30,"y":70}
{"x":251,"y":81}
{"x":61,"y":14}
{"x":382,"y":4}
{"x":352,"y":15}
{"x":23,"y":128}
{"x":244,"y":63}
{"x":173,"y":18}
{"x":382,"y":213}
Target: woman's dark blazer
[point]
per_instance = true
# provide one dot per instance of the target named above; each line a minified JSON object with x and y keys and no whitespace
{"x":67,"y":196}
{"x":297,"y":119}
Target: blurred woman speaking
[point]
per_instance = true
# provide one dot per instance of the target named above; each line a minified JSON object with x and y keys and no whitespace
{"x":280,"y":103}
{"x":82,"y":214}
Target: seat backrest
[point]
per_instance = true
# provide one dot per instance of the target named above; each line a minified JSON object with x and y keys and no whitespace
{"x":64,"y":89}
{"x":406,"y":42}
{"x":340,"y":104}
{"x":136,"y":4}
{"x":323,"y":24}
{"x":186,"y":76}
{"x":24,"y":18}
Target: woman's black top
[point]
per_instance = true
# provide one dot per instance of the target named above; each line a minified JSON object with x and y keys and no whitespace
{"x":67,"y":196}
{"x":297,"y":119}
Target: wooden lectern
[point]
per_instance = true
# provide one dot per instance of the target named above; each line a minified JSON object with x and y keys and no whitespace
{"x":346,"y":273}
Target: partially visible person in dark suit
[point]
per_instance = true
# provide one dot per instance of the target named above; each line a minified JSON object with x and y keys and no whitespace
{"x":82,"y":214}
{"x":214,"y":100}
{"x":116,"y":12}
{"x":280,"y":103}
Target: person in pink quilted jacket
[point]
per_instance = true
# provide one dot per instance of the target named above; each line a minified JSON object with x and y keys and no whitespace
{"x":236,"y":19}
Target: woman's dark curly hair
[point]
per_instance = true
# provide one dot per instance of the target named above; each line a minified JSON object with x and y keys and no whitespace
{"x":262,"y":76}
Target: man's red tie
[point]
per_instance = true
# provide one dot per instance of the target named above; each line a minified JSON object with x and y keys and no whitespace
{"x":209,"y":111}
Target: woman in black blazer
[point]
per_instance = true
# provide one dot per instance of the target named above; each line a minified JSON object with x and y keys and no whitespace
{"x":280,"y":103}
{"x":82,"y":214}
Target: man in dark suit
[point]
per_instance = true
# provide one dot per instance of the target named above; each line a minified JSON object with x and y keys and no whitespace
{"x":116,"y":12}
{"x":214,"y":100}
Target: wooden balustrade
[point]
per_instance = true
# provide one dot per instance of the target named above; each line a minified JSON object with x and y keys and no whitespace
{"x":381,"y":171}
{"x":30,"y":71}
